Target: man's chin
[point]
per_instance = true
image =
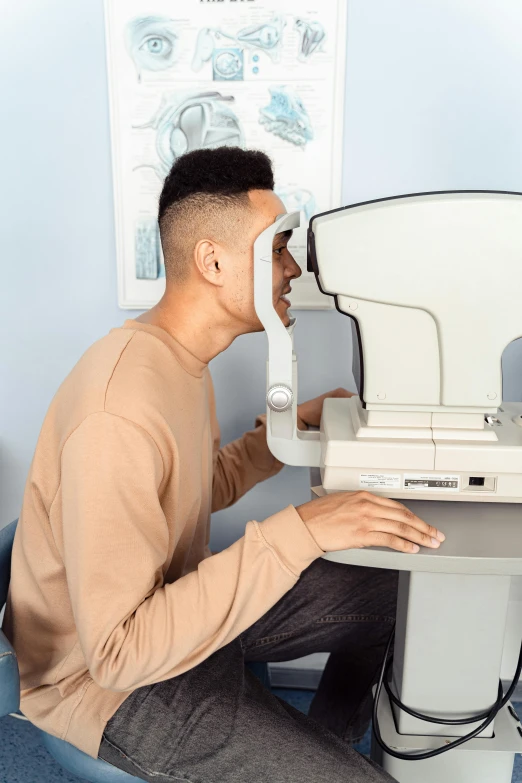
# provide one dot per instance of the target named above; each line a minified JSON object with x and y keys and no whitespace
{"x":283,"y":315}
{"x":256,"y":326}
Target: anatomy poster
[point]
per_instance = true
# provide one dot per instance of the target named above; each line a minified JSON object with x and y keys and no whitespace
{"x":187,"y":74}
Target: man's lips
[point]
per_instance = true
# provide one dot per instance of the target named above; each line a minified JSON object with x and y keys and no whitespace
{"x":285,"y":298}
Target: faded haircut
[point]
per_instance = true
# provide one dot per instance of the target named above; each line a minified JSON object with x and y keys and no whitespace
{"x":205,"y":196}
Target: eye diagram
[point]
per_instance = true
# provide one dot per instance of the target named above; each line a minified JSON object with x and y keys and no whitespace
{"x":147,"y":249}
{"x":264,"y":36}
{"x":298,"y":198}
{"x":227,"y":64}
{"x":311,"y":37}
{"x":286,"y":117}
{"x":200,"y":120}
{"x":152,"y":43}
{"x":268,"y":37}
{"x":205,"y":46}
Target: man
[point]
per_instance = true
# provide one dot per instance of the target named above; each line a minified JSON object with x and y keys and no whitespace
{"x":131,"y":636}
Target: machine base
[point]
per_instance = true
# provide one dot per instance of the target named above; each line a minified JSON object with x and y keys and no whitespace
{"x":424,"y":467}
{"x":486,"y":760}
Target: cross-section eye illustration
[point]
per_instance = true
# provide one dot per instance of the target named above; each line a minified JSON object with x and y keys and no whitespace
{"x":311,"y":37}
{"x":264,"y":36}
{"x":227,"y":64}
{"x":152,"y":43}
{"x":286,"y":117}
{"x":267,"y":37}
{"x":189,"y":122}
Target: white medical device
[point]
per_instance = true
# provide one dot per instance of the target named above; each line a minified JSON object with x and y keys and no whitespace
{"x":433,"y":285}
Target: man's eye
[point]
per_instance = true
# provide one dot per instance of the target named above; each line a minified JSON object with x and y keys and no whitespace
{"x":279,"y":250}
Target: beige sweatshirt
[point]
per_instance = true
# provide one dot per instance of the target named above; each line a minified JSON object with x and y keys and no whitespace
{"x":113,"y":585}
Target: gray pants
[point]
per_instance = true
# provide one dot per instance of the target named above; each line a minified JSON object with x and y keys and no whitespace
{"x":218,"y":724}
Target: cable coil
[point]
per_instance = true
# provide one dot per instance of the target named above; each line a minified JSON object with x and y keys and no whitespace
{"x":487,"y":716}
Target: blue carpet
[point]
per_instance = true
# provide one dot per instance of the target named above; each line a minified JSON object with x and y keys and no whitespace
{"x":23,"y":759}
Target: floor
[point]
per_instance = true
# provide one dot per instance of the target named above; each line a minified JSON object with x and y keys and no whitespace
{"x":24,"y":760}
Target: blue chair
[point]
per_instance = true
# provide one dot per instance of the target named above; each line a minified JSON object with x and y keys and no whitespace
{"x":73,"y":760}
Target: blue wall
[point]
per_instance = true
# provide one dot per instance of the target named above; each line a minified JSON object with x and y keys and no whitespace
{"x":433,"y":103}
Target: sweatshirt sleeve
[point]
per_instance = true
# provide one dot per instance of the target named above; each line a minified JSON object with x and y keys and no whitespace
{"x":134,"y":629}
{"x":241,"y":464}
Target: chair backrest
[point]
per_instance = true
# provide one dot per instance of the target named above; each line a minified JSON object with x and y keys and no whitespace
{"x":9,"y":676}
{"x":6,"y":547}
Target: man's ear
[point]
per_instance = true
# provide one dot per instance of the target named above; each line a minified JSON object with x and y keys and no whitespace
{"x":208,"y":256}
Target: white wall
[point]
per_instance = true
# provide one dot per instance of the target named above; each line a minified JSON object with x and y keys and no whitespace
{"x":58,"y":291}
{"x":433,"y":103}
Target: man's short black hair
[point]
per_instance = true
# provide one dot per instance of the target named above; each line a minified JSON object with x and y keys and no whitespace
{"x":225,"y":171}
{"x":202,"y":197}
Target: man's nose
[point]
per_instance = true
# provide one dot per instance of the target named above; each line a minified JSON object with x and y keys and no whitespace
{"x":293,"y":270}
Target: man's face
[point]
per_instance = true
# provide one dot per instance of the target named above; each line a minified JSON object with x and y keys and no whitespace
{"x":266,"y":208}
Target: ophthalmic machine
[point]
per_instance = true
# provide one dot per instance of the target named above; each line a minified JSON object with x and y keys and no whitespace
{"x":432,"y":284}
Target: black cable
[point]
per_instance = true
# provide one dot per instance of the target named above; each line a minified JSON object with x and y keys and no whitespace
{"x":501,"y":702}
{"x":431,"y":719}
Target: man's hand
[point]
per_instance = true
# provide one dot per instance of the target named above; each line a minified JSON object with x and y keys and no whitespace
{"x":309,"y":413}
{"x":354,"y":520}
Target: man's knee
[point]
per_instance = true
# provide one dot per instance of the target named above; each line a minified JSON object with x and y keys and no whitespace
{"x":363,"y":590}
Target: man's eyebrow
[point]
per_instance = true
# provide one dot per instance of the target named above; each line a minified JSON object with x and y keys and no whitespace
{"x":283,"y":235}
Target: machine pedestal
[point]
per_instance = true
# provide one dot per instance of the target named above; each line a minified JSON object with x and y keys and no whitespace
{"x":448,"y":648}
{"x":451,"y":619}
{"x":482,"y":760}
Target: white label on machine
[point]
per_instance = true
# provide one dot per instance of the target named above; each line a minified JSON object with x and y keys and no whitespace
{"x":432,"y":483}
{"x":380,"y":480}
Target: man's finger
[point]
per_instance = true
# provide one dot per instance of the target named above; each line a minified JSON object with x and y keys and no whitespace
{"x":411,"y":520}
{"x":406,"y":514}
{"x":407,"y":532}
{"x":377,"y":538}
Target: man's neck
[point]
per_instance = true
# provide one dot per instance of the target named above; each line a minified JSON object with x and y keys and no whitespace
{"x":192,"y":323}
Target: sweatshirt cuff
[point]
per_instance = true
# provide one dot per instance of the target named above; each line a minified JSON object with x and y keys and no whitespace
{"x":301,"y":423}
{"x":287,"y":536}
